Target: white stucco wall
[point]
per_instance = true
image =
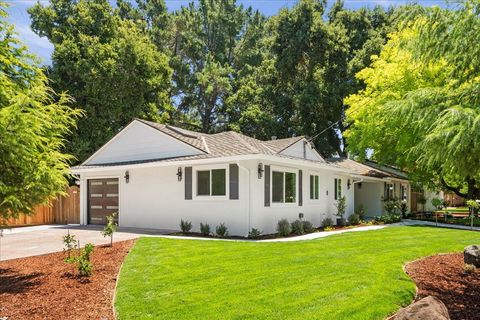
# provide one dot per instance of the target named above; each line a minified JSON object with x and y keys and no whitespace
{"x":370,"y":196}
{"x":296,"y":150}
{"x":154,"y":198}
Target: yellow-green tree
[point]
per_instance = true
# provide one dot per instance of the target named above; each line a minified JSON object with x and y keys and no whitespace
{"x":33,"y":123}
{"x":420,"y":109}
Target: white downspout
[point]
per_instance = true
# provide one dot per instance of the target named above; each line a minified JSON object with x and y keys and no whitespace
{"x":249,"y":195}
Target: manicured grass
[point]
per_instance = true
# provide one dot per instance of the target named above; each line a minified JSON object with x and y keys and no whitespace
{"x":355,"y":275}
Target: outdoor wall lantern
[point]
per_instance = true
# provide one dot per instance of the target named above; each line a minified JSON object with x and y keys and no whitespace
{"x":300,"y":216}
{"x":127,"y":176}
{"x":260,"y":170}
{"x":179,"y":173}
{"x":348,"y":184}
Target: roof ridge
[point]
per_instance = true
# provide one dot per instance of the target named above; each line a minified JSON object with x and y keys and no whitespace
{"x":245,"y":143}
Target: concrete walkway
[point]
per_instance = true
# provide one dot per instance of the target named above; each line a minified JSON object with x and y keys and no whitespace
{"x":37,"y":240}
{"x":408,"y":222}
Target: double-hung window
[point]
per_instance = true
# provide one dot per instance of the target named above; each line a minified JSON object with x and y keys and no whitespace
{"x":284,"y":187}
{"x":403,"y":191}
{"x":389,"y":191}
{"x":338,"y":188}
{"x":314,"y":187}
{"x":211,"y":182}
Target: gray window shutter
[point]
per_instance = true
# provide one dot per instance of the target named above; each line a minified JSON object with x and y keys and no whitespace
{"x":188,"y":183}
{"x":335,"y":190}
{"x":233,"y":180}
{"x":300,"y":188}
{"x":267,"y":186}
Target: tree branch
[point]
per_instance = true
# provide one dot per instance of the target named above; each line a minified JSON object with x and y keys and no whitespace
{"x":455,"y":190}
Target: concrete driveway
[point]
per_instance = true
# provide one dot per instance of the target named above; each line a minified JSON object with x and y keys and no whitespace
{"x":37,"y":240}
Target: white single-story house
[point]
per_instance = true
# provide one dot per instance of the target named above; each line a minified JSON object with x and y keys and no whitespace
{"x":154,"y":175}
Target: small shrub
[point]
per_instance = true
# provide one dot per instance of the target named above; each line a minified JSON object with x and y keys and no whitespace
{"x":84,"y":265}
{"x":341,"y":222}
{"x":205,"y":229}
{"x":469,"y":268}
{"x":70,"y":244}
{"x":308,"y":226}
{"x":110,"y":228}
{"x":221,"y":230}
{"x":82,"y":261}
{"x":388,"y":218}
{"x":283,"y":227}
{"x":354,"y":219}
{"x":360,"y":211}
{"x":329,"y":228}
{"x":254,"y":234}
{"x":341,"y":206}
{"x":327,"y":222}
{"x":391,"y":206}
{"x":297,"y":227}
{"x":185,"y":226}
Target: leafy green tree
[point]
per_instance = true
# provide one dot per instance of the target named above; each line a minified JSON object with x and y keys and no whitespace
{"x":420,"y":109}
{"x":307,"y":69}
{"x":34,"y":122}
{"x":205,"y":38}
{"x":108,"y":64}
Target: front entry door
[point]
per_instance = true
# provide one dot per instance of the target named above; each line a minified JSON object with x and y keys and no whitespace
{"x":102,"y":199}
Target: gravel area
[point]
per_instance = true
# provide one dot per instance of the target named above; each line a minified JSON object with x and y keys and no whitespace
{"x":45,"y":287}
{"x":443,"y":276}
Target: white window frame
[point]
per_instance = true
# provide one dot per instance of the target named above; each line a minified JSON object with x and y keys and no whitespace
{"x":313,"y":173}
{"x":210,"y":168}
{"x":289,"y":170}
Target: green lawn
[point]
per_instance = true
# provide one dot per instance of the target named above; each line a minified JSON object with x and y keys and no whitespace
{"x":355,"y":275}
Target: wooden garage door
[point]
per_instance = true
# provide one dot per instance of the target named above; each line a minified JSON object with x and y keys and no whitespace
{"x":102,"y":199}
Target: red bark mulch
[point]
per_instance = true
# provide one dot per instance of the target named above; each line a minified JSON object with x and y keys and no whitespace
{"x":443,"y":276}
{"x":45,"y":287}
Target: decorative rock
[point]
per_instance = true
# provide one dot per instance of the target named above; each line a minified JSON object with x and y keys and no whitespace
{"x":429,"y":308}
{"x":471,"y":255}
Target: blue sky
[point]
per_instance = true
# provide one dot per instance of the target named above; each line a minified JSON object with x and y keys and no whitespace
{"x":43,"y":48}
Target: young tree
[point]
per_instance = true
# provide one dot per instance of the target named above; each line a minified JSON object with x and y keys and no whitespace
{"x":108,"y":64}
{"x":420,"y":109}
{"x":34,"y":122}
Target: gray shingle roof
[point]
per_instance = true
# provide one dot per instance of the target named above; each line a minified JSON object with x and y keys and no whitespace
{"x":224,"y":144}
{"x":366,"y":169}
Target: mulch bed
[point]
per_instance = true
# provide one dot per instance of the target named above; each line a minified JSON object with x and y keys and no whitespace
{"x":443,"y":276}
{"x":45,"y":287}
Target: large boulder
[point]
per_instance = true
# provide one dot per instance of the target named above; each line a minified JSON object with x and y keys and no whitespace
{"x":429,"y":308}
{"x":471,"y":255}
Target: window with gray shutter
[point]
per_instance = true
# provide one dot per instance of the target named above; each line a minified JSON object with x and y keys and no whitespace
{"x":233,"y":172}
{"x":300,"y":188}
{"x":267,"y":186}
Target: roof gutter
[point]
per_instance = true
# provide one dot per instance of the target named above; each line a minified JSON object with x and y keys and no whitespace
{"x":261,"y":157}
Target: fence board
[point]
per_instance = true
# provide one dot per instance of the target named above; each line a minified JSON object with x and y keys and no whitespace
{"x":63,"y":210}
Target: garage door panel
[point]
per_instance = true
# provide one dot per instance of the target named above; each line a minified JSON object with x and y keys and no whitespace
{"x":102,"y":199}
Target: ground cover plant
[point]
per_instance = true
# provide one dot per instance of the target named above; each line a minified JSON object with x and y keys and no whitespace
{"x":355,"y":275}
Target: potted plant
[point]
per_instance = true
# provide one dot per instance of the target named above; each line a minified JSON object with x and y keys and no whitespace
{"x":341,"y":206}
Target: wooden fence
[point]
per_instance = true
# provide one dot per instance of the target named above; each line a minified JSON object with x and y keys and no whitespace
{"x":63,"y":210}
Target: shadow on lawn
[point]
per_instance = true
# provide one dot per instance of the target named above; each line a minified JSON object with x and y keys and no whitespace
{"x":12,"y":281}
